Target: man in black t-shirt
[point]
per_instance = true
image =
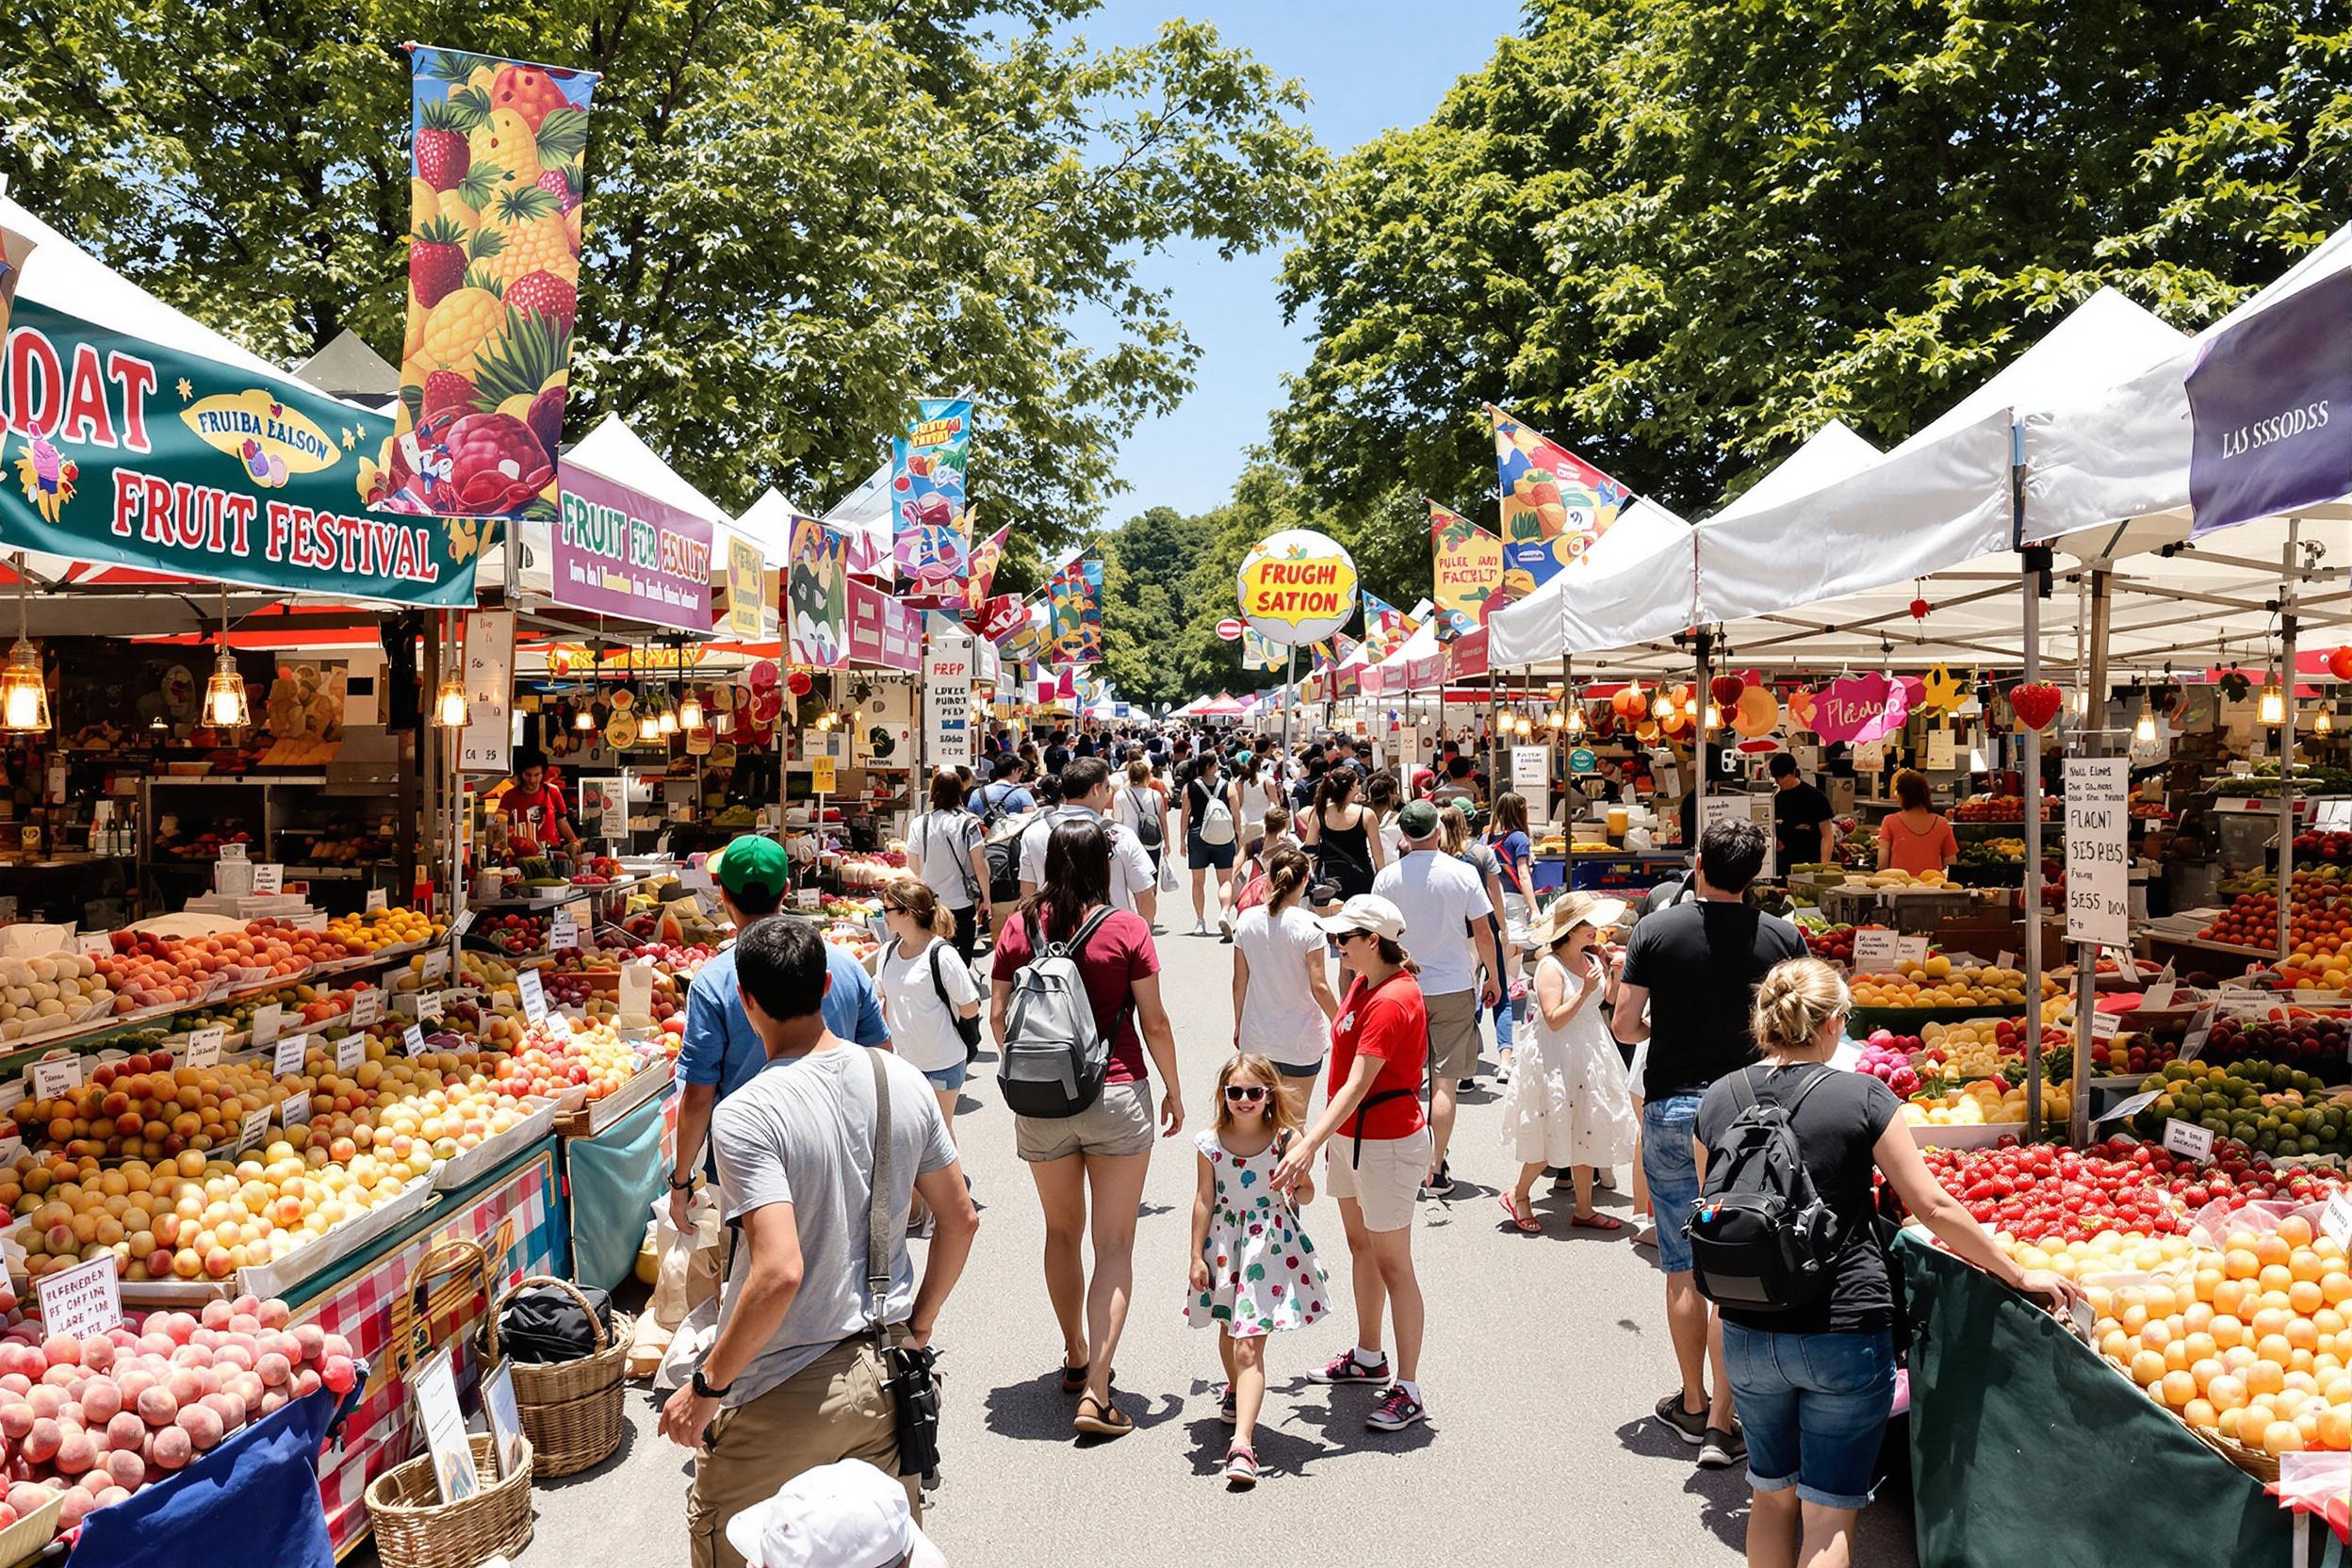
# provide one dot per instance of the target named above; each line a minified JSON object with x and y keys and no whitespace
{"x":1694,"y":967}
{"x":1801,"y":818}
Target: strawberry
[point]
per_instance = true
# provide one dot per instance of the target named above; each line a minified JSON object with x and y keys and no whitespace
{"x":436,"y":262}
{"x":547,"y":417}
{"x":547,"y":294}
{"x":447,"y":389}
{"x":2035,"y":705}
{"x":443,"y":155}
{"x":553,"y":182}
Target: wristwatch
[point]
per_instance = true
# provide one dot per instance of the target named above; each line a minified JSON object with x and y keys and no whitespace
{"x":704,"y":1391}
{"x":678,"y":1185}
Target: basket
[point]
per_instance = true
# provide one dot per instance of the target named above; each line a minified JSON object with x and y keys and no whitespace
{"x":2261,"y":1465}
{"x":570,"y":1410}
{"x":415,"y":1529}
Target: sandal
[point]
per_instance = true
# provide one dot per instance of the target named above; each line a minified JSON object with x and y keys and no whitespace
{"x":1111,"y":1422}
{"x":1074,"y":1379}
{"x":1597,"y":1221}
{"x":1528,"y":1225}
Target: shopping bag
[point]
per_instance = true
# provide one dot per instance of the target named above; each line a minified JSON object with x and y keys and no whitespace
{"x":689,"y":1270}
{"x":687,"y":1345}
{"x":1167,"y":873}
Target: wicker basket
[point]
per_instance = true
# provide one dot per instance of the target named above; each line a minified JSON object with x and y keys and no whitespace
{"x":415,"y":1529}
{"x":2257,"y":1463}
{"x":570,"y":1410}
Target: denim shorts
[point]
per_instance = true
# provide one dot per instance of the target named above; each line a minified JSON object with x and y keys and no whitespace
{"x":1672,"y":1171}
{"x":948,"y":1077}
{"x":1814,"y":1408}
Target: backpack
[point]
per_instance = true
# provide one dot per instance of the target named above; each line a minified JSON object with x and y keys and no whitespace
{"x":963,"y":860}
{"x":1215,"y":826}
{"x":1056,"y":1055}
{"x":1147,"y":824}
{"x":993,"y":807}
{"x":1003,"y":857}
{"x":1761,"y":1235}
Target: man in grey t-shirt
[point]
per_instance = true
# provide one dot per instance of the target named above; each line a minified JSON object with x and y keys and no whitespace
{"x":795,"y":1380}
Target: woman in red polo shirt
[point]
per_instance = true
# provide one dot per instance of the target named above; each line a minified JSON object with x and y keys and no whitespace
{"x":1379,"y":1048}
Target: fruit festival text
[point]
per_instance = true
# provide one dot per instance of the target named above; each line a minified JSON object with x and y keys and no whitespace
{"x":200,"y":517}
{"x":607,"y":532}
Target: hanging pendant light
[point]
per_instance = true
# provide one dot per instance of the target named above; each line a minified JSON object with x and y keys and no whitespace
{"x":585,"y":720}
{"x":449,"y":707}
{"x":2144,"y":729}
{"x":1662,"y":707}
{"x":1522,"y":728}
{"x":224,"y":693}
{"x":1714,"y":715}
{"x":2272,"y":706}
{"x":23,"y":692}
{"x":2322,"y":722}
{"x":1576,"y":719}
{"x":690,"y":711}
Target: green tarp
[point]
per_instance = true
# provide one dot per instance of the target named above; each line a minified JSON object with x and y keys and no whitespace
{"x":614,"y":1178}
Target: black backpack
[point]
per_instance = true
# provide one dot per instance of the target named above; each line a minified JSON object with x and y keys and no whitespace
{"x":1003,"y":870}
{"x":1761,"y":1235}
{"x":993,"y":807}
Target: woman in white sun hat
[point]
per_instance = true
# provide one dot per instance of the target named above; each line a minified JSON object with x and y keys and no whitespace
{"x":1568,"y":1104}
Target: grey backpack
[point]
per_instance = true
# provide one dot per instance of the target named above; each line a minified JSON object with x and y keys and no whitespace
{"x":1056,"y":1055}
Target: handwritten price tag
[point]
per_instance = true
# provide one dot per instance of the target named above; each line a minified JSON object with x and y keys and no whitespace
{"x":351,"y":1052}
{"x":414,"y":1038}
{"x":288,"y":1058}
{"x":203,"y":1046}
{"x":805,"y":898}
{"x":534,"y":996}
{"x":2006,"y":960}
{"x":366,"y":1007}
{"x":93,"y":944}
{"x":463,"y":923}
{"x":436,"y":964}
{"x":2105,"y":1026}
{"x":294,"y":1111}
{"x":268,"y":879}
{"x":55,"y":1075}
{"x":2336,"y":1218}
{"x":562,"y":932}
{"x":254,"y":1130}
{"x":428,"y":1005}
{"x":268,"y":1019}
{"x":377,"y":902}
{"x":1911,"y":950}
{"x":315,"y":921}
{"x":636,"y":989}
{"x":1876,"y":951}
{"x":11,"y":1149}
{"x":2188,"y":1140}
{"x":83,"y":1301}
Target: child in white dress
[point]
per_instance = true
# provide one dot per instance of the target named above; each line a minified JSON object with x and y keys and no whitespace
{"x":1254,"y":1271}
{"x":1568,"y":1103}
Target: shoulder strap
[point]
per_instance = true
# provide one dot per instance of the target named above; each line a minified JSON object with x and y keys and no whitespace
{"x":937,"y":984}
{"x":877,"y":1204}
{"x":1810,"y":1084}
{"x":1087,"y":927}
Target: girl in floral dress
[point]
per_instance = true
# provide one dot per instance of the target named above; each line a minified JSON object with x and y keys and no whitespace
{"x":1254,"y":1272}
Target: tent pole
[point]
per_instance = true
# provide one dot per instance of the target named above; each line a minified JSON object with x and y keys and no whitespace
{"x":1704,"y":644}
{"x":1290,"y":693}
{"x":2036,"y":582}
{"x":1495,"y":775}
{"x":2286,"y":738}
{"x":2086,"y":957}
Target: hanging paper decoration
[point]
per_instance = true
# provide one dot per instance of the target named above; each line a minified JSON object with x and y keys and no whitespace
{"x":930,"y":519}
{"x":498,"y":191}
{"x":1259,"y":651}
{"x":816,"y":596}
{"x":1555,"y":505}
{"x":1074,"y":600}
{"x":1385,"y":628}
{"x":1861,"y":708}
{"x":1943,"y":692}
{"x":2340,"y":662}
{"x":1800,"y":708}
{"x":1756,"y":714}
{"x":1725,"y":690}
{"x":1466,"y":568}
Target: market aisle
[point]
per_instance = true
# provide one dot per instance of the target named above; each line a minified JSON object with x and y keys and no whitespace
{"x":1544,"y":1355}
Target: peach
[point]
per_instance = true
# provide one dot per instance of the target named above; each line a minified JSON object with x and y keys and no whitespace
{"x":76,"y":1452}
{"x":77,"y":1502}
{"x":40,"y":1443}
{"x":173,"y":1449}
{"x":15,"y":1421}
{"x":217,"y":1315}
{"x":158,"y":1406}
{"x":102,"y":1397}
{"x":134,"y":1382}
{"x":187,"y":1385}
{"x":204,"y":1426}
{"x":127,"y":1468}
{"x":46,"y":1400}
{"x":310,"y":1342}
{"x":61,"y":1351}
{"x":98,"y":1352}
{"x":110,"y":1496}
{"x":228,"y":1406}
{"x":63,"y":1377}
{"x":274,"y":1369}
{"x":306,"y":1382}
{"x":24,"y":1496}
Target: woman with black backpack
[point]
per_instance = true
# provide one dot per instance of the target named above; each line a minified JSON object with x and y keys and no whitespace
{"x":1099,"y":1145}
{"x":1810,"y":1357}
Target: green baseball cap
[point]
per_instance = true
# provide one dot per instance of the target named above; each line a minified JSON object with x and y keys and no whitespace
{"x":1418,"y":821}
{"x":751,"y":861}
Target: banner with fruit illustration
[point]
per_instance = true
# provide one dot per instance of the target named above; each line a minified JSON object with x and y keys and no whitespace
{"x":1260,"y":652}
{"x":1466,"y":568}
{"x":816,"y":596}
{"x":1074,"y":599}
{"x":118,"y":452}
{"x":1556,"y":505}
{"x":930,"y":517}
{"x":985,"y":555}
{"x":495,"y":193}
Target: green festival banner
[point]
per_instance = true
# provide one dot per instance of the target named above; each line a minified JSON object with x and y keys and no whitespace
{"x":121,"y":453}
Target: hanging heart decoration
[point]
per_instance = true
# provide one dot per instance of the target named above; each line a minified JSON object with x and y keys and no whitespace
{"x":1725,"y":690}
{"x":2340,"y":662}
{"x":2035,"y":704}
{"x":799,"y":682}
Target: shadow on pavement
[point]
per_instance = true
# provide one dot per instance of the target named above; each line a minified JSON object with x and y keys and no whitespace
{"x":1338,"y":1411}
{"x":1724,"y":1493}
{"x":1280,"y":1452}
{"x":1040,"y":1412}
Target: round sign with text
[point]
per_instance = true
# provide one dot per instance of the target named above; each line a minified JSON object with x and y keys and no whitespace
{"x":1297,"y":587}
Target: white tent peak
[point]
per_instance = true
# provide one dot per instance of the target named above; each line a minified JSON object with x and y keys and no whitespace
{"x":347,"y":367}
{"x":2099,"y":342}
{"x":612,"y":450}
{"x":1827,"y":455}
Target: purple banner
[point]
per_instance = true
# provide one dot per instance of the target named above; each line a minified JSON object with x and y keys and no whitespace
{"x":2261,"y":410}
{"x":622,"y":553}
{"x":882,"y":631}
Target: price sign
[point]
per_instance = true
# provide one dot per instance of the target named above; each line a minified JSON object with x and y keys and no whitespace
{"x":351,"y":1052}
{"x":269,"y":878}
{"x":1876,"y":951}
{"x":83,"y":1301}
{"x":2131,"y":1105}
{"x":429,"y":1007}
{"x":2158,"y":996}
{"x":414,"y":1038}
{"x":93,"y":944}
{"x":2188,"y":1140}
{"x":563,"y":931}
{"x":203,"y":1046}
{"x":315,"y":921}
{"x":2105,"y":1026}
{"x":288,"y":1057}
{"x":294,"y":1111}
{"x":11,"y":1146}
{"x":822,"y":778}
{"x":2098,"y":853}
{"x":268,"y":1018}
{"x":2200,"y":1030}
{"x":2006,"y":960}
{"x":1531,"y":770}
{"x":463,"y":923}
{"x":55,"y":1075}
{"x":534,"y":996}
{"x":436,"y":964}
{"x":377,"y":900}
{"x":1940,"y":750}
{"x":1911,"y":950}
{"x":2336,"y":1218}
{"x":254,"y":1130}
{"x":636,"y":989}
{"x":366,"y":1007}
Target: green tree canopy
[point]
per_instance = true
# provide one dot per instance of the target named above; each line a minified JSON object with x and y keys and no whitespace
{"x":800,"y":218}
{"x":1681,"y":234}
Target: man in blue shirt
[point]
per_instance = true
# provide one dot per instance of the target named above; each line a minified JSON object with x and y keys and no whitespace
{"x":1003,"y":790}
{"x":719,"y":1051}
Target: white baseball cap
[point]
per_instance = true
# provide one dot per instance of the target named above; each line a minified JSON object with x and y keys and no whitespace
{"x":846,"y":1514}
{"x":1366,"y":913}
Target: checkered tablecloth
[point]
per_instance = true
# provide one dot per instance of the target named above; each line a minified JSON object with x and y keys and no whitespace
{"x":381,"y":1433}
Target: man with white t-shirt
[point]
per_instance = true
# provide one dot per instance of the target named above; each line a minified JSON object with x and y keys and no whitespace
{"x":1445,"y":905}
{"x":1086,"y":793}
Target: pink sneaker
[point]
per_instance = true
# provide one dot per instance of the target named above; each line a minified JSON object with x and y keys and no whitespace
{"x":1345,"y":1369}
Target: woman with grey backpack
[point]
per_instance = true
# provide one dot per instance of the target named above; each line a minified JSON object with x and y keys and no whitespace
{"x":1075,"y":1078}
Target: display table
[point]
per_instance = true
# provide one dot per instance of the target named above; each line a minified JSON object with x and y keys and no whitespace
{"x":2026,"y":1447}
{"x":1610,"y":871}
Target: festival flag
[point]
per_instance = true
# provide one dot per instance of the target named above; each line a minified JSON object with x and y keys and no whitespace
{"x":1259,"y":651}
{"x":985,"y":555}
{"x":816,"y":596}
{"x":1555,"y":505}
{"x":497,"y":160}
{"x":930,"y":517}
{"x":1467,"y":564}
{"x":1385,"y":628}
{"x":1001,"y":616}
{"x":1074,"y":599}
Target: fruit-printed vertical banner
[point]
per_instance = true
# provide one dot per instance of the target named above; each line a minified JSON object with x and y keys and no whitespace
{"x":1074,"y":596}
{"x":1556,"y":505}
{"x":620,"y":552}
{"x":1466,"y":571}
{"x":1260,"y":652}
{"x":118,"y":452}
{"x":496,"y":198}
{"x":816,"y":596}
{"x":930,"y":519}
{"x":985,"y":555}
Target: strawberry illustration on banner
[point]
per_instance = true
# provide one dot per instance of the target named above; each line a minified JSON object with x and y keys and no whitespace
{"x":930,"y":514}
{"x":497,"y":192}
{"x":1556,"y":505}
{"x":1466,"y":568}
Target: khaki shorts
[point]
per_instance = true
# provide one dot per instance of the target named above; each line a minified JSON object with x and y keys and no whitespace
{"x":835,"y":1407}
{"x":1453,"y":1033}
{"x":1385,"y":1181}
{"x":1119,"y":1122}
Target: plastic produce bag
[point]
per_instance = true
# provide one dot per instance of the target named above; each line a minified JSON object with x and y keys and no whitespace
{"x":1167,"y":873}
{"x":687,"y":1345}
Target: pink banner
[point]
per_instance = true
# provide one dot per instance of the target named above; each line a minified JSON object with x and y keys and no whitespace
{"x":882,"y":631}
{"x":1861,"y":708}
{"x":1465,"y":655}
{"x":621,"y":552}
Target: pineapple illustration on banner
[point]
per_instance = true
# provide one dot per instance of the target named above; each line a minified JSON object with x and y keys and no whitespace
{"x":496,"y":191}
{"x":1556,"y":505}
{"x":930,"y":515}
{"x":1467,"y":570}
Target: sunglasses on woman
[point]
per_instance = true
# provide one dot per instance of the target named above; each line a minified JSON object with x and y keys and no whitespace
{"x":1245,"y":1094}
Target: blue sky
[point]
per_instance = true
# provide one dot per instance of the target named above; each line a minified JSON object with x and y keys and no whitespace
{"x":1369,"y":65}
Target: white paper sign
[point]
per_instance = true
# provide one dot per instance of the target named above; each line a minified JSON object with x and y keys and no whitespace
{"x":2129,"y":1105}
{"x":254,"y":1131}
{"x":1876,"y":951}
{"x":414,"y":1038}
{"x":636,"y":989}
{"x":83,"y":1301}
{"x":947,"y":676}
{"x":2158,"y":996}
{"x":2098,"y":853}
{"x":366,"y":1007}
{"x":436,"y":964}
{"x":351,"y":1052}
{"x":2105,"y":1026}
{"x":2336,"y":1218}
{"x":2188,"y":1140}
{"x":534,"y":995}
{"x":497,"y":1398}
{"x":294,"y":1111}
{"x":563,"y":931}
{"x":55,"y":1075}
{"x":489,"y":691}
{"x":1911,"y":950}
{"x":378,"y":901}
{"x":287,"y":1059}
{"x":203,"y":1046}
{"x":269,"y":878}
{"x":11,"y":1149}
{"x":268,"y":1019}
{"x":2200,"y":1030}
{"x":805,"y":898}
{"x":2006,"y":960}
{"x":1940,"y":751}
{"x":1531,"y":772}
{"x":436,"y":1389}
{"x":93,"y":944}
{"x":315,"y":921}
{"x":428,"y":1005}
{"x":463,"y":923}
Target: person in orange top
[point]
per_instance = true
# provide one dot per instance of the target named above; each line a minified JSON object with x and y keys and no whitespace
{"x":1917,"y":839}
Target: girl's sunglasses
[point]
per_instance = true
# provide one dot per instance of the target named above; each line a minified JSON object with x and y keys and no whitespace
{"x":1245,"y":1094}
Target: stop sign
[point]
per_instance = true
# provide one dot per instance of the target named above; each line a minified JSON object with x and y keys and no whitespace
{"x":1230,"y":630}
